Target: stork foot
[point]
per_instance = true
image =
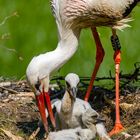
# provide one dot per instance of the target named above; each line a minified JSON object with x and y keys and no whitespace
{"x":117,"y":129}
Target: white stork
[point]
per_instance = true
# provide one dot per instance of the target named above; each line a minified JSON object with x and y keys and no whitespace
{"x":72,"y":112}
{"x":70,"y":109}
{"x":72,"y":134}
{"x":72,"y":16}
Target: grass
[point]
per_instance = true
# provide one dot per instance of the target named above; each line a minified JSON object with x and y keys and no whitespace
{"x":34,"y":31}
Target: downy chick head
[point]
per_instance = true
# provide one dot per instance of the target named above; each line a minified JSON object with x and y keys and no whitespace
{"x":72,"y":81}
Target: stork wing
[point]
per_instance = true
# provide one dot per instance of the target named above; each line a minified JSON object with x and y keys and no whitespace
{"x":55,"y":6}
{"x":55,"y":102}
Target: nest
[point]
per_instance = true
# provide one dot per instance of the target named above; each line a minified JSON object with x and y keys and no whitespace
{"x":19,"y":114}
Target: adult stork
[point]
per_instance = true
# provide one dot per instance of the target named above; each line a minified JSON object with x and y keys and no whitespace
{"x":72,"y":16}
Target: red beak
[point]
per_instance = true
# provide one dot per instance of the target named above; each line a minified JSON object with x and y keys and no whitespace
{"x":43,"y":100}
{"x":49,"y":107}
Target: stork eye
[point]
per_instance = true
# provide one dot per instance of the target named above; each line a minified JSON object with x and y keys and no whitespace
{"x":37,"y":85}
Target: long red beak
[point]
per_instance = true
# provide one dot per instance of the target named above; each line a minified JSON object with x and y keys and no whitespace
{"x":43,"y":100}
{"x":49,"y":107}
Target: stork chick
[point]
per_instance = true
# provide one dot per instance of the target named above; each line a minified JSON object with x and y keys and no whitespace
{"x":65,"y":107}
{"x":72,"y":134}
{"x":88,"y":133}
{"x":72,"y":112}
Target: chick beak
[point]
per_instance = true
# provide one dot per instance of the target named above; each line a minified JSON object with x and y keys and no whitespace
{"x":99,"y":119}
{"x":74,"y":92}
{"x":42,"y":100}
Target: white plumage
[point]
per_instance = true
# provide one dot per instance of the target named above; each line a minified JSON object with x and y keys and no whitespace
{"x":83,"y":125}
{"x":88,"y":13}
{"x":72,"y":113}
{"x":72,"y":16}
{"x":72,"y":134}
{"x":73,"y":120}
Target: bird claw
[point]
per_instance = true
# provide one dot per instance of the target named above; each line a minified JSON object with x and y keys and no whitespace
{"x":117,"y":129}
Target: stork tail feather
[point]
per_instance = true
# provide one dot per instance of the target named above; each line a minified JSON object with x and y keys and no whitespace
{"x":122,"y":24}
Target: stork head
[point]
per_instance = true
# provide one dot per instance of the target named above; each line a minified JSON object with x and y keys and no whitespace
{"x":72,"y":80}
{"x":41,"y":89}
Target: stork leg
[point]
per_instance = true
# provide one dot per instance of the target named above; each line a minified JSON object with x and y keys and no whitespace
{"x":117,"y":58}
{"x":99,"y":58}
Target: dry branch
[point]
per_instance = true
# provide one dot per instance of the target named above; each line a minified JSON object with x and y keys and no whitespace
{"x":11,"y":136}
{"x":10,"y":90}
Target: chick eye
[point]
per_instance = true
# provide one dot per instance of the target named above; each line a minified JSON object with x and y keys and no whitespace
{"x":78,"y":84}
{"x":68,"y":85}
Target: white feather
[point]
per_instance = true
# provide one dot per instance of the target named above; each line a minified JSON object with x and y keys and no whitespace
{"x":72,"y":134}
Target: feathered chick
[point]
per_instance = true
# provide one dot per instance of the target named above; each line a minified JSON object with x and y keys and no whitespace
{"x":72,"y":112}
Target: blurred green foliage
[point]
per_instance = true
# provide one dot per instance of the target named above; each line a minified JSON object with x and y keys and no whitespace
{"x":33,"y":31}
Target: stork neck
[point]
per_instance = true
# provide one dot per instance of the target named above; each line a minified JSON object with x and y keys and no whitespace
{"x":130,"y":6}
{"x":68,"y":41}
{"x":67,"y":46}
{"x":67,"y":104}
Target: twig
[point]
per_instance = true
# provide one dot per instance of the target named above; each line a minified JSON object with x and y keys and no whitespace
{"x":126,"y":135}
{"x":10,"y":90}
{"x":7,"y":17}
{"x":20,"y":80}
{"x":26,"y":94}
{"x":33,"y":135}
{"x":2,"y":84}
{"x":14,"y":51}
{"x":110,"y":102}
{"x":11,"y":136}
{"x":136,"y":137}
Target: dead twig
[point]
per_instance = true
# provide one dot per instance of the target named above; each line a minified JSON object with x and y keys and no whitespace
{"x":136,"y":137}
{"x":126,"y":135}
{"x":123,"y":106}
{"x":33,"y":135}
{"x":8,"y":17}
{"x":2,"y":84}
{"x":109,"y":101}
{"x":10,"y":90}
{"x":11,"y":136}
{"x":26,"y":94}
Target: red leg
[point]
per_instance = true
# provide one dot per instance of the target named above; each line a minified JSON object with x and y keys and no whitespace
{"x":117,"y":58}
{"x":99,"y":57}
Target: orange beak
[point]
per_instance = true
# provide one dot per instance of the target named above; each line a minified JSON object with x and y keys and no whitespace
{"x":43,"y":101}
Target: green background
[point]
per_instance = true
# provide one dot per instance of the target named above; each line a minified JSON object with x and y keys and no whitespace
{"x":34,"y":31}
